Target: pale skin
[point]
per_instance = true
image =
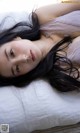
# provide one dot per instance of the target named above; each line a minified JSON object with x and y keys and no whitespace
{"x":21,"y":55}
{"x":17,"y":56}
{"x":55,"y":10}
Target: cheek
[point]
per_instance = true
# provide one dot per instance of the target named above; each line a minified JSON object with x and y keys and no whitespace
{"x":5,"y":69}
{"x":3,"y":62}
{"x":25,"y":68}
{"x":4,"y":65}
{"x":21,"y":50}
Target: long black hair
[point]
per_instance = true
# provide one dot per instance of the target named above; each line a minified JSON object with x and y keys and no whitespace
{"x":25,"y":30}
{"x":62,"y":78}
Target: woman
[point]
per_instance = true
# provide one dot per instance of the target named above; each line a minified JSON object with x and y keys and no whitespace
{"x":29,"y":52}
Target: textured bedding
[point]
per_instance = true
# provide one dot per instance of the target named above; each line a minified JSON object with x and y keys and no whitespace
{"x":8,"y":19}
{"x":37,"y":106}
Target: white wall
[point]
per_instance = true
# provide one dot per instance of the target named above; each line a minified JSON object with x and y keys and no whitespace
{"x":20,"y":5}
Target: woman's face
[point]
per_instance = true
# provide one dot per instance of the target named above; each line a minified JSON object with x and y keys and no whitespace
{"x":18,"y":57}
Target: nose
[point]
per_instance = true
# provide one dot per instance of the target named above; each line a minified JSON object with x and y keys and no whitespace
{"x":21,"y":59}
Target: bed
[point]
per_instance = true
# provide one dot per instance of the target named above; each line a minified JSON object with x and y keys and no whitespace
{"x":37,"y":108}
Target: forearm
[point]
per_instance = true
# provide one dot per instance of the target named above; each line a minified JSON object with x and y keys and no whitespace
{"x":49,"y":12}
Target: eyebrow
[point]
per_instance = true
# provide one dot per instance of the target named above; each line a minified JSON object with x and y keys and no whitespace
{"x":12,"y":70}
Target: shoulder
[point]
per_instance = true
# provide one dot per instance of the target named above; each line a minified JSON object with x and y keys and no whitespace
{"x":49,"y":12}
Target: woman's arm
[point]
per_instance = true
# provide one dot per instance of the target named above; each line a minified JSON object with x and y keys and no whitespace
{"x":47,"y":13}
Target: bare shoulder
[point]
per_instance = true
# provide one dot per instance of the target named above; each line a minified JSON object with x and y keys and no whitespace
{"x":49,"y":12}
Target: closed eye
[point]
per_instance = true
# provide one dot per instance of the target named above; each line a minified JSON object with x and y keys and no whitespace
{"x":12,"y":54}
{"x":12,"y":70}
{"x":17,"y":69}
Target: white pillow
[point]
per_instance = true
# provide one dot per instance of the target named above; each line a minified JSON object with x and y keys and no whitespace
{"x":8,"y":19}
{"x":37,"y":106}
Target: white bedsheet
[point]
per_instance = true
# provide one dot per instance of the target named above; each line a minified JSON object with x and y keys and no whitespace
{"x":37,"y":106}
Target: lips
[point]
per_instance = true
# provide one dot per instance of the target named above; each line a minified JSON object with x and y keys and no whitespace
{"x":32,"y":55}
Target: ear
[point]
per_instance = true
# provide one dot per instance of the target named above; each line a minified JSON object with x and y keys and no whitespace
{"x":17,"y":38}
